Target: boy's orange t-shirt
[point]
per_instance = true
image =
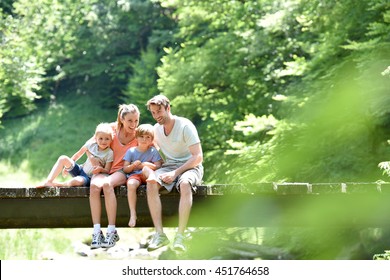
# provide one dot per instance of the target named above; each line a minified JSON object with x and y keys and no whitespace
{"x":119,"y":151}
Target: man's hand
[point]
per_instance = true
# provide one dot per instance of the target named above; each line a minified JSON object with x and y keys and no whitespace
{"x":168,"y":177}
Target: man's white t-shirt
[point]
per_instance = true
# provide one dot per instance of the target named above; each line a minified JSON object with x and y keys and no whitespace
{"x":174,"y":147}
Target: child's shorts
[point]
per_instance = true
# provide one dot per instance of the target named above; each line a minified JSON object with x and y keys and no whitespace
{"x":139,"y":177}
{"x":77,"y":170}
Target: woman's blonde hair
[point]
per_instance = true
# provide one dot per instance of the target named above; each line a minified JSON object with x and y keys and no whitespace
{"x":124,"y":109}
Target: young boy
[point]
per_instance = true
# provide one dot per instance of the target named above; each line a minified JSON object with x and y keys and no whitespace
{"x":139,"y":162}
{"x":100,"y":148}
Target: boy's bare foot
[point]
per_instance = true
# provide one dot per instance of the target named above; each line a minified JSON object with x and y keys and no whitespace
{"x":151,"y":179}
{"x":50,"y":184}
{"x":45,"y":184}
{"x":132,"y":221}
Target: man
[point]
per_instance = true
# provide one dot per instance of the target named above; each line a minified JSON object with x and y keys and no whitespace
{"x":178,"y":141}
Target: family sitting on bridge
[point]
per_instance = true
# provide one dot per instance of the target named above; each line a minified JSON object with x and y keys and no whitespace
{"x":136,"y":160}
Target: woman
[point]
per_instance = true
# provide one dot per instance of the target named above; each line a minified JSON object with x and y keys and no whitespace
{"x":124,"y":138}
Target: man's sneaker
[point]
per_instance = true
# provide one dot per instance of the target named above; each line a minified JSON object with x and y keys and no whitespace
{"x":178,"y":243}
{"x":111,"y":239}
{"x":97,"y":240}
{"x":159,"y":240}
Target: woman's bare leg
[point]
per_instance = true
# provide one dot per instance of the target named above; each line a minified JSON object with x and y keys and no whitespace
{"x":95,"y":203}
{"x":112,"y":181}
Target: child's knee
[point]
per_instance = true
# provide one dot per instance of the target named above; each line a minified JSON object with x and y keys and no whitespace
{"x":64,"y":159}
{"x":132,"y":184}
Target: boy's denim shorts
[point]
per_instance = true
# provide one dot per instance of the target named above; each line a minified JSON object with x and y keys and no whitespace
{"x":77,"y":170}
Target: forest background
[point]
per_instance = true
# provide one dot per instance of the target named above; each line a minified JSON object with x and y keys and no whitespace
{"x":279,"y":90}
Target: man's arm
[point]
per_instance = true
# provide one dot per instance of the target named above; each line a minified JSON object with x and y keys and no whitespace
{"x":196,"y":159}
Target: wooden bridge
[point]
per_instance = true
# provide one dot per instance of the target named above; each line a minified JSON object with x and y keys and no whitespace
{"x":236,"y":205}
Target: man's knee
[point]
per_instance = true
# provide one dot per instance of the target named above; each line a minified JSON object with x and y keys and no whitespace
{"x":185,"y":189}
{"x":152,"y":189}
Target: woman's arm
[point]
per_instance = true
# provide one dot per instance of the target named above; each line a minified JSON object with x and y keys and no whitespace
{"x":79,"y":153}
{"x":100,"y":169}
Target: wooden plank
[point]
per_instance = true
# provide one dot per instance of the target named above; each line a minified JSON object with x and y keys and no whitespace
{"x":266,"y":204}
{"x":69,"y":207}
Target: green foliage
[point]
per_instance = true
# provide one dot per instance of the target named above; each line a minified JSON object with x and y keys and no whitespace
{"x":20,"y":73}
{"x":47,"y":45}
{"x":21,"y":244}
{"x":6,"y":6}
{"x":110,"y":41}
{"x":143,"y":84}
{"x":291,"y":60}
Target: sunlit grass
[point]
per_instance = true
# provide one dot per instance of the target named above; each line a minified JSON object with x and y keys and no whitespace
{"x":15,"y":177}
{"x":32,"y":144}
{"x":31,"y":244}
